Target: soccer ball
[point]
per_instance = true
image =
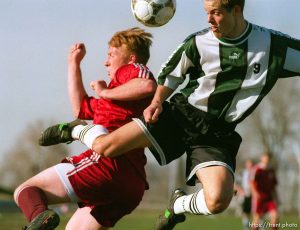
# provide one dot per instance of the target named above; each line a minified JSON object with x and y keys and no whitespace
{"x":153,"y":13}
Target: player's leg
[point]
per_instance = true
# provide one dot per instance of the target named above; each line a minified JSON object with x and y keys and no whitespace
{"x":128,"y":137}
{"x":109,"y":199}
{"x":213,"y":166}
{"x":274,"y":215}
{"x":258,"y":210}
{"x":213,"y":198}
{"x":246,"y":212}
{"x":133,"y":135}
{"x":256,"y":221}
{"x":83,"y":220}
{"x":164,"y":138}
{"x":274,"y":218}
{"x":212,"y":163}
{"x":217,"y":182}
{"x":34,"y":195}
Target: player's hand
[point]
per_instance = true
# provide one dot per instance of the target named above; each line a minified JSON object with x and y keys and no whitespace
{"x":152,"y":112}
{"x":77,"y":53}
{"x":98,"y":86}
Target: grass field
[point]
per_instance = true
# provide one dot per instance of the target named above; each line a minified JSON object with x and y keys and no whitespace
{"x":141,"y":220}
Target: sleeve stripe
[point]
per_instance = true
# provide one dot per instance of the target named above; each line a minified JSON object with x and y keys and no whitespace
{"x":144,"y":72}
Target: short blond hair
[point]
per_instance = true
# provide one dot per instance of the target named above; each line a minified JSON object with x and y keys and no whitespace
{"x":136,"y":40}
{"x":229,"y":4}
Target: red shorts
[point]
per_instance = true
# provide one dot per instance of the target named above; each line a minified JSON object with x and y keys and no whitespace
{"x":112,"y":187}
{"x":263,"y":206}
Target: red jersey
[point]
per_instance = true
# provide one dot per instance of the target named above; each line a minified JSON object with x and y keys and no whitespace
{"x":96,"y":180}
{"x":264,"y":181}
{"x":113,"y":114}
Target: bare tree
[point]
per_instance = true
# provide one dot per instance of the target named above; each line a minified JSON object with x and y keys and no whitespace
{"x":275,"y":128}
{"x":26,"y":158}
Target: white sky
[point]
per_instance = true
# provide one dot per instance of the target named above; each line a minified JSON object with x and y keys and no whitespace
{"x":35,"y":36}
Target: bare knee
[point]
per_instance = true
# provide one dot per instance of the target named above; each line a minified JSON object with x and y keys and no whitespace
{"x":103,"y":146}
{"x":217,"y":184}
{"x":17,"y":191}
{"x":217,"y":202}
{"x":16,"y":194}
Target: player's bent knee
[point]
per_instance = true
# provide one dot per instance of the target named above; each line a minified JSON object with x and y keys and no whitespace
{"x":216,"y":207}
{"x":17,"y":192}
{"x":106,"y":146}
{"x":217,"y":203}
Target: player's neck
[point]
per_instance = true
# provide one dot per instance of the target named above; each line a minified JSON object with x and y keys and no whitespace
{"x":240,"y":28}
{"x":264,"y":166}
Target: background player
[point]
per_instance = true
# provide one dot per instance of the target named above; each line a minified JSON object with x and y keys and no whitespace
{"x":244,"y":190}
{"x":92,"y":181}
{"x":264,"y":195}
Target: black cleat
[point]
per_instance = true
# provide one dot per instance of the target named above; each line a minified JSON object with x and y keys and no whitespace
{"x":47,"y":220}
{"x":61,"y":133}
{"x":169,"y":219}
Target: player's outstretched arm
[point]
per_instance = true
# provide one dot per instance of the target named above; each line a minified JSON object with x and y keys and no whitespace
{"x":75,"y":85}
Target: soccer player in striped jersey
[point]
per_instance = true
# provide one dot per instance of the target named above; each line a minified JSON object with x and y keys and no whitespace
{"x":92,"y":181}
{"x":231,"y":66}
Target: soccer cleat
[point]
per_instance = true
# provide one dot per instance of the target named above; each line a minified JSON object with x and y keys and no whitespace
{"x":47,"y":220}
{"x":169,"y":219}
{"x":60,"y":133}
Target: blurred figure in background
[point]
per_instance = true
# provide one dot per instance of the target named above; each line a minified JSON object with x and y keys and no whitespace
{"x":264,"y":196}
{"x":243,"y":188}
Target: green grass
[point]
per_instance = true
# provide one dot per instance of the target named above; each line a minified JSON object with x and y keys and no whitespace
{"x":144,"y":220}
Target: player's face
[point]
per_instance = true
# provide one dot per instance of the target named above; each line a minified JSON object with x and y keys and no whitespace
{"x":265,"y":159}
{"x":248,"y":164}
{"x":116,"y":57}
{"x":222,"y":22}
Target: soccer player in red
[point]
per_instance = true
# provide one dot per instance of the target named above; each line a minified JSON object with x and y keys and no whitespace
{"x":106,"y":189}
{"x":264,"y":196}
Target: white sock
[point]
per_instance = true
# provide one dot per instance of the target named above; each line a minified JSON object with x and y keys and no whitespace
{"x":76,"y":130}
{"x":193,"y":203}
{"x":245,"y":222}
{"x":88,"y":133}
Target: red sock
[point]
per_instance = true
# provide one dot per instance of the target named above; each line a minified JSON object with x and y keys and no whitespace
{"x":32,"y":202}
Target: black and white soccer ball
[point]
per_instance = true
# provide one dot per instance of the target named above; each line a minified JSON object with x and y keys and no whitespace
{"x":153,"y":13}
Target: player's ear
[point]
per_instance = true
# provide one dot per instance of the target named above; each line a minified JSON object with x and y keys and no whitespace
{"x":237,"y":9}
{"x":132,"y":58}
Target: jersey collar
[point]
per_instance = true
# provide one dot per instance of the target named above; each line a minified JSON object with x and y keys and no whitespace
{"x":239,"y":39}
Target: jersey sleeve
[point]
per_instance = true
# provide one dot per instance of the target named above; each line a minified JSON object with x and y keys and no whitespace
{"x":179,"y":64}
{"x":129,"y":72}
{"x":291,"y":65}
{"x":87,"y":108}
{"x":286,"y":51}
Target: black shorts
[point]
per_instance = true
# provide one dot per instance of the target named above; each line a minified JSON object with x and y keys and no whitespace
{"x":181,"y":128}
{"x":246,"y":206}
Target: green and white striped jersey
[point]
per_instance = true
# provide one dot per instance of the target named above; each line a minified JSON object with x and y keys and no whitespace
{"x":229,"y":77}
